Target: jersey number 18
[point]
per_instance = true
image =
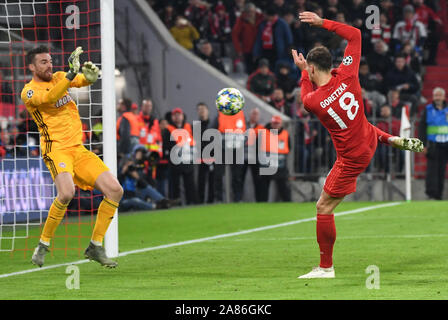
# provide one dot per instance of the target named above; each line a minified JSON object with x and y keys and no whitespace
{"x":348,"y":107}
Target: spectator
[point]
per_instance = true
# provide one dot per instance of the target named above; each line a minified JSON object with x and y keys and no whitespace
{"x":389,"y":124}
{"x":383,"y":31}
{"x":262,"y":81}
{"x":409,"y":30}
{"x":197,"y":12}
{"x":403,"y":79}
{"x":274,"y":39}
{"x":285,"y":82}
{"x":369,"y":82}
{"x":279,"y":102}
{"x":162,"y":174}
{"x":138,"y":193}
{"x":305,"y":134}
{"x":281,"y":7}
{"x":206,"y":53}
{"x":236,"y":9}
{"x":279,"y":139}
{"x":244,"y":34}
{"x":150,"y":134}
{"x":168,"y":15}
{"x":206,"y":167}
{"x":218,"y":29}
{"x":332,"y":8}
{"x":413,"y":59}
{"x":433,"y":131}
{"x":394,"y":101}
{"x":251,"y":160}
{"x":298,"y":38}
{"x":379,"y":60}
{"x":433,"y":24}
{"x":314,"y":35}
{"x":184,"y":33}
{"x":184,"y":143}
{"x":357,"y":13}
{"x":128,"y":127}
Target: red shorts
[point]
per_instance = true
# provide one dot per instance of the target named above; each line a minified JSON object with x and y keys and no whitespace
{"x":341,"y":180}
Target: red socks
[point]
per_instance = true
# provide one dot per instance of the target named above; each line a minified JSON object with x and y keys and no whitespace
{"x":326,"y":236}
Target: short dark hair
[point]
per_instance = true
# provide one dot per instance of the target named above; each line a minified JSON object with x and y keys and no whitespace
{"x":30,"y":55}
{"x":202,"y":104}
{"x":320,"y":57}
{"x":400,"y":55}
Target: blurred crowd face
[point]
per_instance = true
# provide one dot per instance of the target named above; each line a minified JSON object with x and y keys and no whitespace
{"x":278,"y":95}
{"x":438,"y":96}
{"x":162,"y":124}
{"x":146,"y":107}
{"x":178,"y":118}
{"x":385,"y":112}
{"x":202,"y":112}
{"x":364,"y":69}
{"x":408,"y":15}
{"x":400,"y":63}
{"x":380,"y":47}
{"x":279,"y":2}
{"x":181,"y":22}
{"x":264,"y":70}
{"x":207,"y":49}
{"x":121,"y":107}
{"x":254,"y":116}
{"x":394,"y":96}
{"x":276,"y":125}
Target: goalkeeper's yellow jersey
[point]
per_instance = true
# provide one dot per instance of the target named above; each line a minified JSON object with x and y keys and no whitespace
{"x":55,"y":112}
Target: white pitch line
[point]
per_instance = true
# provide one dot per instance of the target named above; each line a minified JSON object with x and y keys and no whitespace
{"x":220,"y":236}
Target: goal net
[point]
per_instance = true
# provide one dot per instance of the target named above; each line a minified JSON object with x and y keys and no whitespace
{"x":26,"y":187}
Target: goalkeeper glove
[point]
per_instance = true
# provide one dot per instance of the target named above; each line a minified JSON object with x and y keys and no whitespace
{"x":90,"y":71}
{"x":74,"y":64}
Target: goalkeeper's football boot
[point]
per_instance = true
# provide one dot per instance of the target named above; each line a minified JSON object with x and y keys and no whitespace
{"x":98,"y":254}
{"x":411,"y":144}
{"x":38,"y":257}
{"x":319,"y":272}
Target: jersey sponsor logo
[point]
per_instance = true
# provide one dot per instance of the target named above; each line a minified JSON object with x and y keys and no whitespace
{"x":348,"y":60}
{"x":64,"y":100}
{"x":29,"y":93}
{"x":333,"y":96}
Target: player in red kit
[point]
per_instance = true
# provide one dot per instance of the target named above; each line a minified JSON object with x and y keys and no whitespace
{"x":337,"y":102}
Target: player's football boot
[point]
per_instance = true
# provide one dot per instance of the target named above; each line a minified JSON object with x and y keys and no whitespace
{"x":319,"y":272}
{"x":38,"y":257}
{"x":411,"y":144}
{"x":98,"y":254}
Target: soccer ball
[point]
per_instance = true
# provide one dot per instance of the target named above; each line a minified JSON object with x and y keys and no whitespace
{"x":229,"y":101}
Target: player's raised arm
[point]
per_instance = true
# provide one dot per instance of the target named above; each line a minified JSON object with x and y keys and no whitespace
{"x":40,"y":97}
{"x":305,"y":83}
{"x":352,"y":54}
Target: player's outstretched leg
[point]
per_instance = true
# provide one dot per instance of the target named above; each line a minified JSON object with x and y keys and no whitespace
{"x":411,"y":144}
{"x":326,"y":236}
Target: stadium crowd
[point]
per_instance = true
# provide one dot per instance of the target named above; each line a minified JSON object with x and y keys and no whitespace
{"x":257,"y":37}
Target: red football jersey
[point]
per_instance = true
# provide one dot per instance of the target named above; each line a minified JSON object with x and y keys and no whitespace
{"x":339,"y":104}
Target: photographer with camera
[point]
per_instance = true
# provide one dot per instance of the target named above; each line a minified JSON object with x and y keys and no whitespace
{"x":134,"y":175}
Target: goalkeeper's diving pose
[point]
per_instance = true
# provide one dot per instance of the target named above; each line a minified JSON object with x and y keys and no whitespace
{"x":338,"y":103}
{"x":68,"y":161}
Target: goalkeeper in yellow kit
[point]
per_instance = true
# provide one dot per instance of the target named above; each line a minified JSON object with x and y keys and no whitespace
{"x":70,"y":163}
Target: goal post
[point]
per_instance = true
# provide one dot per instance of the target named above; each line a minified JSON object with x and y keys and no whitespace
{"x":109,"y":110}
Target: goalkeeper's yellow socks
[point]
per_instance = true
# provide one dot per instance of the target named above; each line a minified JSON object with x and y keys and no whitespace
{"x":105,"y":214}
{"x":55,"y":216}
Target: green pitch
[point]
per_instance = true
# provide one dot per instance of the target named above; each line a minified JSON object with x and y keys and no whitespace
{"x":407,"y":242}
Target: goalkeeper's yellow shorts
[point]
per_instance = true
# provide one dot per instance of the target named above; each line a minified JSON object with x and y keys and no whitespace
{"x":82,"y":164}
